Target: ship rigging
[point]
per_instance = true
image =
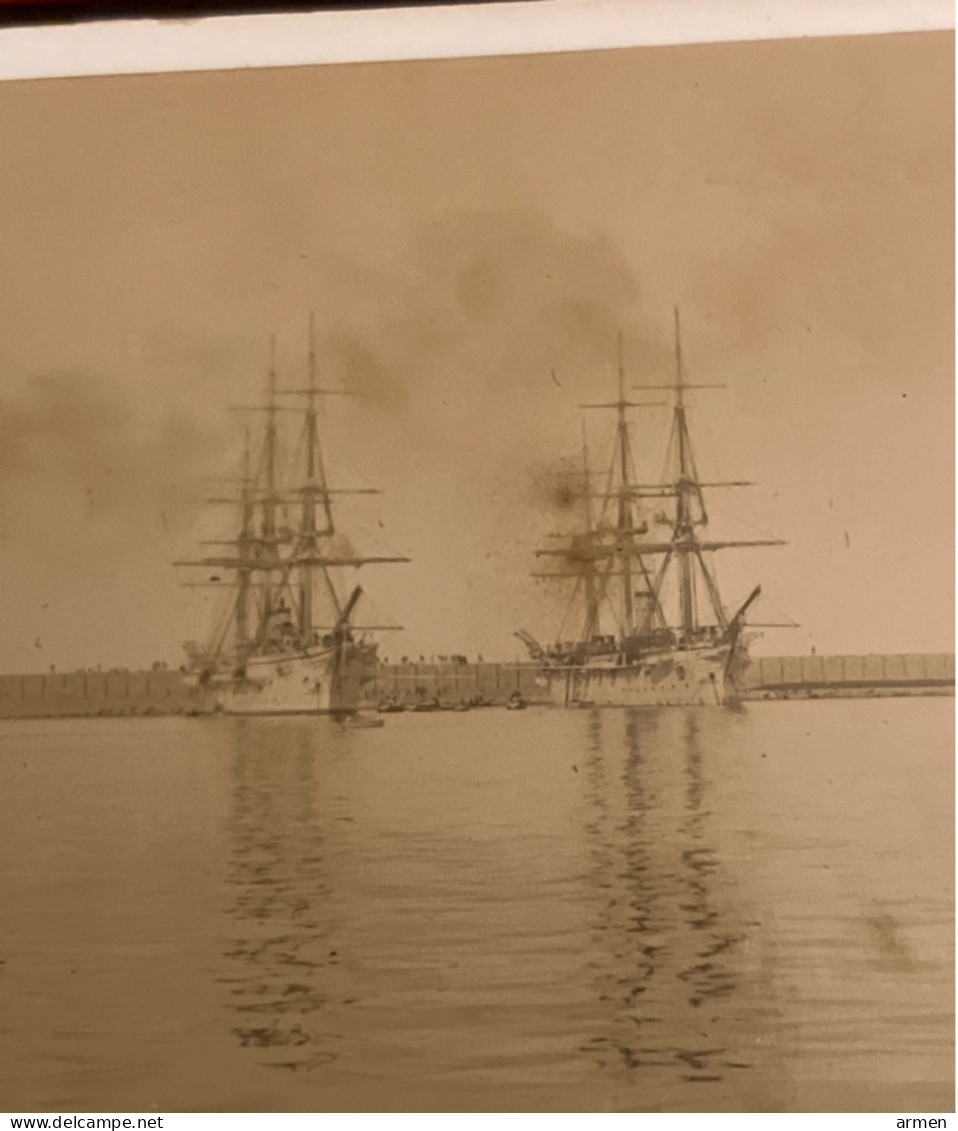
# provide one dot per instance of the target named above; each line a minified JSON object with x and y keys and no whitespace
{"x":657,"y":653}
{"x":270,"y":654}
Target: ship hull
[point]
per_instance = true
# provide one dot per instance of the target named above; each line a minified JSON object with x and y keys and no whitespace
{"x":315,"y":682}
{"x":674,"y":678}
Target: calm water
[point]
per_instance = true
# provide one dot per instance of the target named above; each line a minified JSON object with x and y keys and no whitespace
{"x":672,"y":910}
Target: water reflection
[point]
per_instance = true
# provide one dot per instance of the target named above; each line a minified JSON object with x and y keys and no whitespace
{"x":668,"y":939}
{"x":284,"y":950}
{"x":713,"y":975}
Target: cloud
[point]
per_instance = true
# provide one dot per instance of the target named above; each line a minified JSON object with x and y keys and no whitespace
{"x":82,"y":445}
{"x":489,"y":299}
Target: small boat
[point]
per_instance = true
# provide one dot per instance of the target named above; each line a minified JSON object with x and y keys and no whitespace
{"x":360,"y":722}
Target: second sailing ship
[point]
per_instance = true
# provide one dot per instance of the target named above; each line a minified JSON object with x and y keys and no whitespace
{"x":272,"y":653}
{"x":656,"y":655}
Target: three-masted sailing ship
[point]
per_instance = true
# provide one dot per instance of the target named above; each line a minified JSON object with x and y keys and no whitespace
{"x":287,"y":643}
{"x":674,"y":641}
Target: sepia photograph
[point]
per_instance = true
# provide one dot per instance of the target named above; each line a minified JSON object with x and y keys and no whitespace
{"x":477,"y":583}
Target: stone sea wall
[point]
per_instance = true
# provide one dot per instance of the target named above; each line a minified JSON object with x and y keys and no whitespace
{"x":96,"y":693}
{"x":117,"y":693}
{"x":915,"y":673}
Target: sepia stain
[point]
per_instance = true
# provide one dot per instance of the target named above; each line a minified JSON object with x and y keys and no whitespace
{"x":884,"y":932}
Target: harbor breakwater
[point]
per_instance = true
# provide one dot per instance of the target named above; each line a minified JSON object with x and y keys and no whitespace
{"x":806,"y":677}
{"x":78,"y":694}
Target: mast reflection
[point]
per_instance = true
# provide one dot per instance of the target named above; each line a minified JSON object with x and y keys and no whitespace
{"x":668,"y":937}
{"x":284,"y":949}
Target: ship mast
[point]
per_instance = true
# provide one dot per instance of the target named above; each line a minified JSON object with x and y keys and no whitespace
{"x":245,"y":547}
{"x":314,"y":490}
{"x":615,"y":543}
{"x":589,"y":573}
{"x":625,"y":526}
{"x":684,"y":531}
{"x":625,"y":550}
{"x":269,"y":501}
{"x":257,"y":546}
{"x":684,"y":548}
{"x":308,"y":558}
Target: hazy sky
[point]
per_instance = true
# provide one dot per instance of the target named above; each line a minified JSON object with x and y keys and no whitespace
{"x":462,"y":229}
